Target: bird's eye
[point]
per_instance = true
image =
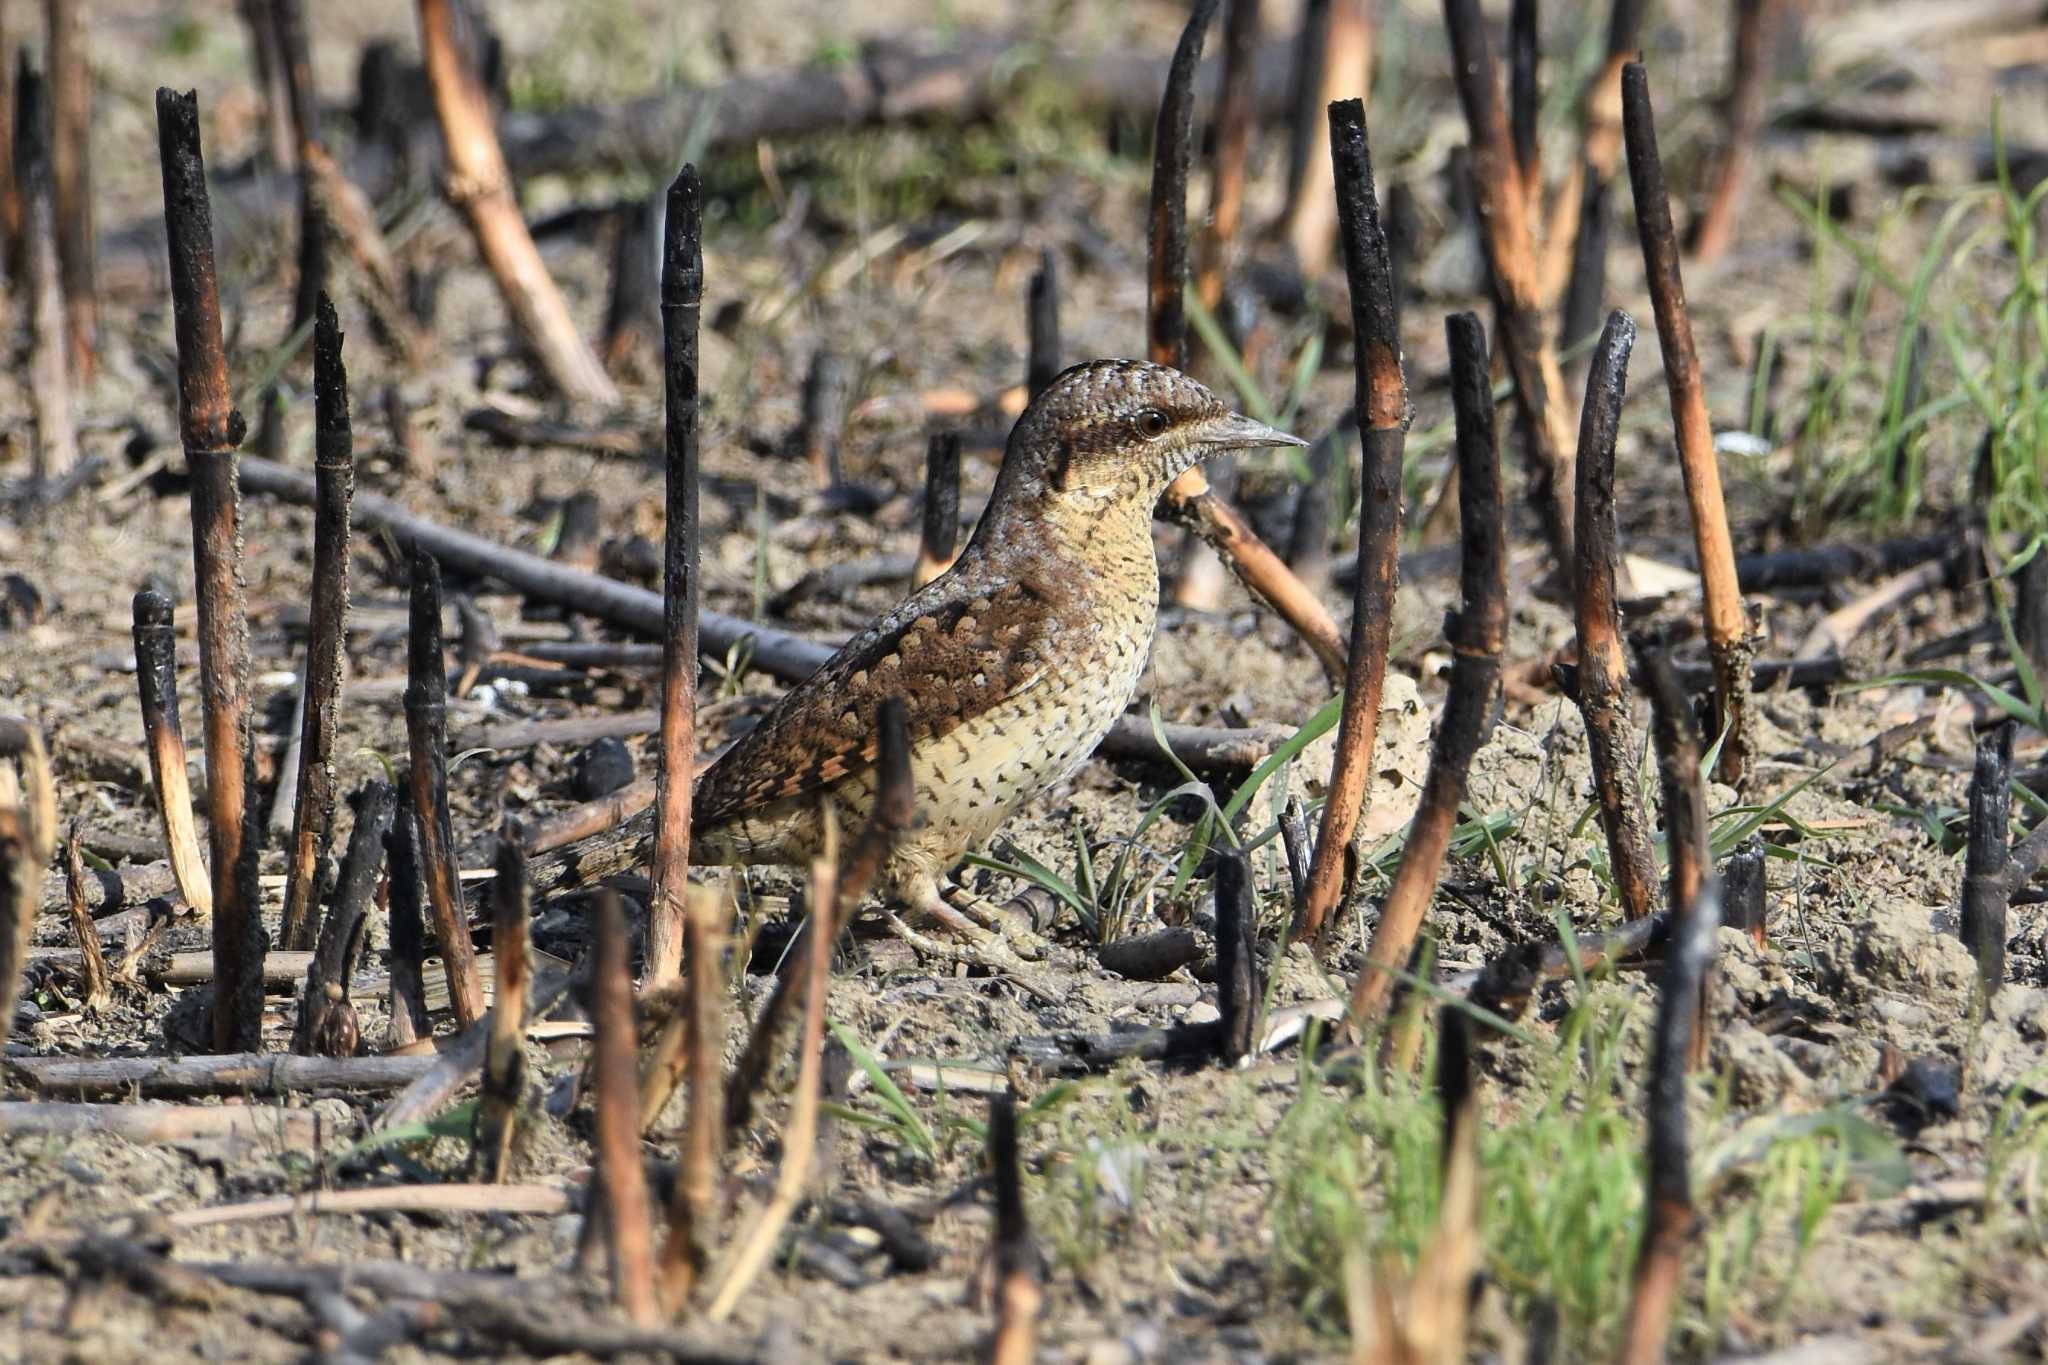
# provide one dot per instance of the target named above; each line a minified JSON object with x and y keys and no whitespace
{"x":1152,"y":423}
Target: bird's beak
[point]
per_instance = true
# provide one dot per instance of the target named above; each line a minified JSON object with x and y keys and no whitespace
{"x":1235,"y":431}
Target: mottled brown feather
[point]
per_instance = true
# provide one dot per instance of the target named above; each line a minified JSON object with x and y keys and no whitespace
{"x":952,"y":651}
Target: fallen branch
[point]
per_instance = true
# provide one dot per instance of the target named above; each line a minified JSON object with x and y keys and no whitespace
{"x":1834,"y":633}
{"x":452,"y":1198}
{"x":535,"y":1314}
{"x":461,"y":1059}
{"x":255,"y":1074}
{"x":152,"y":1123}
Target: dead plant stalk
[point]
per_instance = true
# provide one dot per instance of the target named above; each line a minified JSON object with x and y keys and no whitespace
{"x":1477,"y":635}
{"x":1729,"y":644}
{"x":334,"y":488}
{"x":1511,"y":254}
{"x":682,"y":296}
{"x":1381,"y":401}
{"x":628,"y":1218}
{"x":481,"y":187}
{"x":1603,"y":660}
{"x":210,"y":430}
{"x":156,"y":679}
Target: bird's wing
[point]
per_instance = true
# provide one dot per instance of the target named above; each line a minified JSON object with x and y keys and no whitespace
{"x":951,"y":651}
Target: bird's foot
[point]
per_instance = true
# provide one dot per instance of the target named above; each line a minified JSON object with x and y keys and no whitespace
{"x":981,"y":949}
{"x":968,"y":942}
{"x":967,"y":906}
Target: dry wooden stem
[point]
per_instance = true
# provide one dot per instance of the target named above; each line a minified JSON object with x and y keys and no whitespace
{"x":1042,"y":364}
{"x":481,"y":188}
{"x":693,"y":1212}
{"x":627,"y":1212}
{"x":939,"y":540}
{"x":1477,"y":634}
{"x":1524,"y":98}
{"x":156,"y":678}
{"x":1190,"y":500}
{"x":1019,"y":1299}
{"x":1603,"y":661}
{"x":1233,"y":136}
{"x":1728,"y":637}
{"x":28,"y":838}
{"x":1673,"y":1221}
{"x":1240,"y":991}
{"x":504,"y":1079}
{"x":1511,"y":254}
{"x":1677,"y":736}
{"x":50,"y":349}
{"x":211,"y":429}
{"x":682,"y":296}
{"x":1749,"y":68}
{"x":334,"y":484}
{"x":800,"y":1136}
{"x":92,"y":961}
{"x":1742,"y":890}
{"x":1987,"y":878}
{"x":426,"y":723}
{"x":1381,"y":402}
{"x":628,"y":320}
{"x":327,"y":1020}
{"x":71,"y":168}
{"x":1333,"y":62}
{"x":409,"y":1021}
{"x":1577,"y":237}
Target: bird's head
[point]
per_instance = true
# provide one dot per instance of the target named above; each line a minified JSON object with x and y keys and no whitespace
{"x":1120,"y":431}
